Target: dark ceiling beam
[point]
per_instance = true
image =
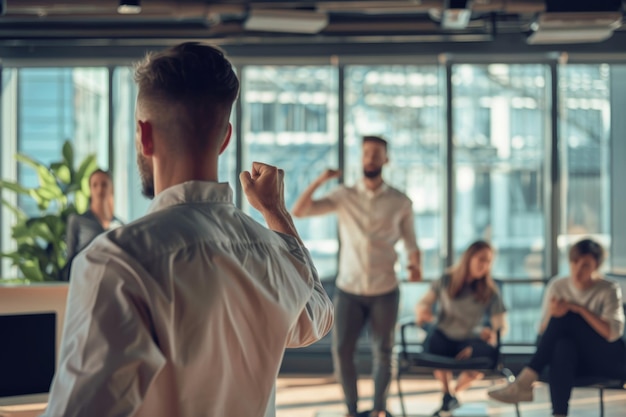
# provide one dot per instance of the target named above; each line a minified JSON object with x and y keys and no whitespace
{"x":509,"y":45}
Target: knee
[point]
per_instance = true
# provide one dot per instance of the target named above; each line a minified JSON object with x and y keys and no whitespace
{"x":343,"y":348}
{"x":565,"y":353}
{"x":381,"y":354}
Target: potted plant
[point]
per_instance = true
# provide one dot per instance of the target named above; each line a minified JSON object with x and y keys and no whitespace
{"x":40,"y":240}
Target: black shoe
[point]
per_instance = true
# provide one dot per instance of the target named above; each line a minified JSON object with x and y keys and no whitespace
{"x":449,"y":403}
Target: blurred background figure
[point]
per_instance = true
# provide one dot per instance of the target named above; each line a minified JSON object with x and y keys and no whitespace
{"x":83,"y":228}
{"x":580,"y":333}
{"x":464,"y":295}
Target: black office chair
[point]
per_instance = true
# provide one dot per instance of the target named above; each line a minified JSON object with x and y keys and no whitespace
{"x":413,"y":360}
{"x":592,"y":382}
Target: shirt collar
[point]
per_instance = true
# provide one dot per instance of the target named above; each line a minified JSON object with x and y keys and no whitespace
{"x":371,"y":193}
{"x":192,"y":192}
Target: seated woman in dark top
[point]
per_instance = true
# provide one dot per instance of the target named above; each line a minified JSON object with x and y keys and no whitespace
{"x":465,"y":295}
{"x":581,"y":332}
{"x":83,"y":228}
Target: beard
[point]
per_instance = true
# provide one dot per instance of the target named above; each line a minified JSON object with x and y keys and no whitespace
{"x":146,"y":175}
{"x":372,"y":173}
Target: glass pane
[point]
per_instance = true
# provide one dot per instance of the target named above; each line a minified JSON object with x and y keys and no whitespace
{"x":59,"y":104}
{"x":404,"y":104}
{"x":585,"y":119}
{"x":500,"y":120}
{"x":290,"y":120}
{"x":523,"y":303}
{"x":130,"y":204}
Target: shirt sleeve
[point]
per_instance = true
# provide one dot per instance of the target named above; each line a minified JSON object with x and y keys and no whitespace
{"x":407,"y":229}
{"x":497,"y":304}
{"x":317,"y":314}
{"x":328,"y":203}
{"x":613,"y":311}
{"x":108,"y":356}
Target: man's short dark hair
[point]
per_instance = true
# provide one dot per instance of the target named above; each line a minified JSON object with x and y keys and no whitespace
{"x":193,"y":77}
{"x":587,"y":247}
{"x":375,"y":139}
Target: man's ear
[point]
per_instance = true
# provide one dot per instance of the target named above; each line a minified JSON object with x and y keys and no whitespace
{"x":146,"y":137}
{"x":229,"y":132}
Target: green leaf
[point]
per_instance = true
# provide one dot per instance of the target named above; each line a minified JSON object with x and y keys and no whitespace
{"x":81,"y":201}
{"x":39,"y":229}
{"x":42,"y":203}
{"x":15,"y":187}
{"x":32,"y":271}
{"x":68,"y":153}
{"x":46,"y":177}
{"x":16,"y":211}
{"x":85,"y":169}
{"x":62,"y":172}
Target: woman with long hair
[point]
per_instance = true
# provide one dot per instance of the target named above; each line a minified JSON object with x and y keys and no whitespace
{"x":83,"y":228}
{"x":465,"y":295}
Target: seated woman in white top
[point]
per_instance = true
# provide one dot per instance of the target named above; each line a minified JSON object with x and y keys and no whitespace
{"x":581,"y":330}
{"x":465,"y":295}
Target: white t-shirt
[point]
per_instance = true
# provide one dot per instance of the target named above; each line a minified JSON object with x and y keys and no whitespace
{"x":604,"y":299}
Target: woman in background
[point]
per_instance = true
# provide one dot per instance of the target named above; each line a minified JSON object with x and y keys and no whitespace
{"x":83,"y":228}
{"x":581,"y":332}
{"x":465,"y":295}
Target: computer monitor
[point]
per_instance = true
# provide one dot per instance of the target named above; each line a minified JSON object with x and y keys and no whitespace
{"x":31,"y":325}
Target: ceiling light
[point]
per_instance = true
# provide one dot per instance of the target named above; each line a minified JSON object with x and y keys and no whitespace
{"x":129,"y":7}
{"x":575,"y":27}
{"x":456,"y":14}
{"x":290,"y":21}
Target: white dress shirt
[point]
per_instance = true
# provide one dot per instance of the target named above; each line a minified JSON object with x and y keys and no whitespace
{"x":185,"y":312}
{"x":370,"y":224}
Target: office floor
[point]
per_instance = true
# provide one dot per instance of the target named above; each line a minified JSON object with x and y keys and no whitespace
{"x":321,"y":397}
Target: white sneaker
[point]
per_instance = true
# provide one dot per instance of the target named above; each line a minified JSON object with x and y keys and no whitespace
{"x":512,"y":393}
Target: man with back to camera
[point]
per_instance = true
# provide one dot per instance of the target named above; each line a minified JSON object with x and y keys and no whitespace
{"x":187,"y":311}
{"x":372,"y":217}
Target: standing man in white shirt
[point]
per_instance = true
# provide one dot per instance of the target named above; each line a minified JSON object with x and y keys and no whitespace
{"x":187,"y":311}
{"x":372,"y":217}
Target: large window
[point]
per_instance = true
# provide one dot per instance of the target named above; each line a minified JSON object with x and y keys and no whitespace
{"x":59,"y":104}
{"x":290,"y":120}
{"x":502,"y":127}
{"x":500,"y":116}
{"x":585,"y":118}
{"x":405,"y":105}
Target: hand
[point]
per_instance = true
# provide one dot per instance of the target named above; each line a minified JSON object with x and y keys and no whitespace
{"x":558,"y":308}
{"x":574,"y":308}
{"x":486,"y":334}
{"x":415,"y":273}
{"x":263,"y":187}
{"x":466,"y":353}
{"x":329,"y":174}
{"x":424,"y":315}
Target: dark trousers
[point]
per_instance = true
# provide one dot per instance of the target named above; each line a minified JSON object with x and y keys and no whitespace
{"x":570,"y":347}
{"x":440,"y":344}
{"x":352,"y":312}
